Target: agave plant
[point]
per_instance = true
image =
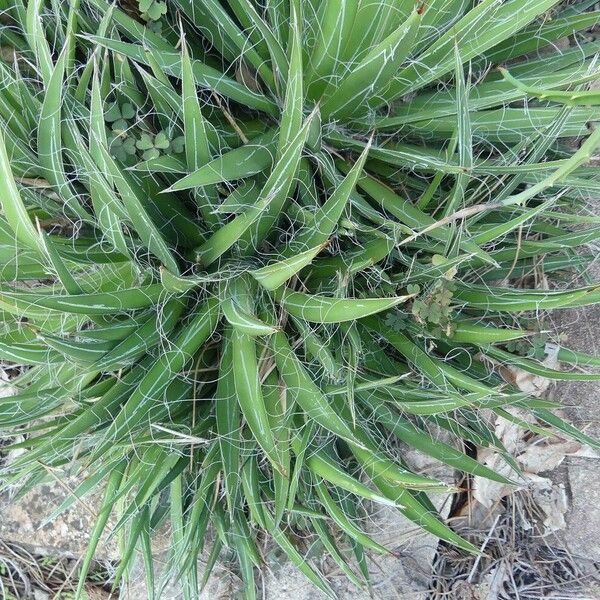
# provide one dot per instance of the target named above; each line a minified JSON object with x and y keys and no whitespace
{"x":250,"y":250}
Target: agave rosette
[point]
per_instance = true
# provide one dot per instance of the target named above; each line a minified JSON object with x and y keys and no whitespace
{"x":249,"y":248}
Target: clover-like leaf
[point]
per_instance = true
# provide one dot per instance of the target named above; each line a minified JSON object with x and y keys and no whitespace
{"x":444,"y":296}
{"x":120,"y":125}
{"x":119,"y":115}
{"x":155,"y":26}
{"x":122,"y":148}
{"x":161,"y":140}
{"x":112,"y":113}
{"x":151,"y":154}
{"x":156,"y":10}
{"x":396,"y":320}
{"x":177,"y":145}
{"x":127,"y":111}
{"x":129,"y":145}
{"x":434,"y":313}
{"x":145,"y":142}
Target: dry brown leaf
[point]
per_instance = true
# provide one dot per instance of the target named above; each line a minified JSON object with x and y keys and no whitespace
{"x":528,"y":382}
{"x":534,"y":456}
{"x":552,"y":499}
{"x":547,"y":454}
{"x":95,"y":593}
{"x":488,"y":492}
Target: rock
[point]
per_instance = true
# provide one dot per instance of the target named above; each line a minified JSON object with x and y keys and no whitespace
{"x":136,"y":589}
{"x":24,"y":522}
{"x":404,"y":575}
{"x":407,"y":575}
{"x":582,"y":533}
{"x":581,"y":399}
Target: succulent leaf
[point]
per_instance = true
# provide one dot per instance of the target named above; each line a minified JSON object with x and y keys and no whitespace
{"x":250,"y":249}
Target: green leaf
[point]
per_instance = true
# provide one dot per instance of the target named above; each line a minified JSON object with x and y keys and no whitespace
{"x":49,"y":138}
{"x":291,"y":119}
{"x":480,"y":29}
{"x":328,"y":215}
{"x":86,"y":304}
{"x":137,"y":213}
{"x":276,"y":274}
{"x":252,"y":158}
{"x":373,"y":73}
{"x":335,"y":23}
{"x":206,"y":76}
{"x":266,"y":209}
{"x":238,"y":309}
{"x":13,"y":207}
{"x":323,"y":309}
{"x":575,"y":98}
